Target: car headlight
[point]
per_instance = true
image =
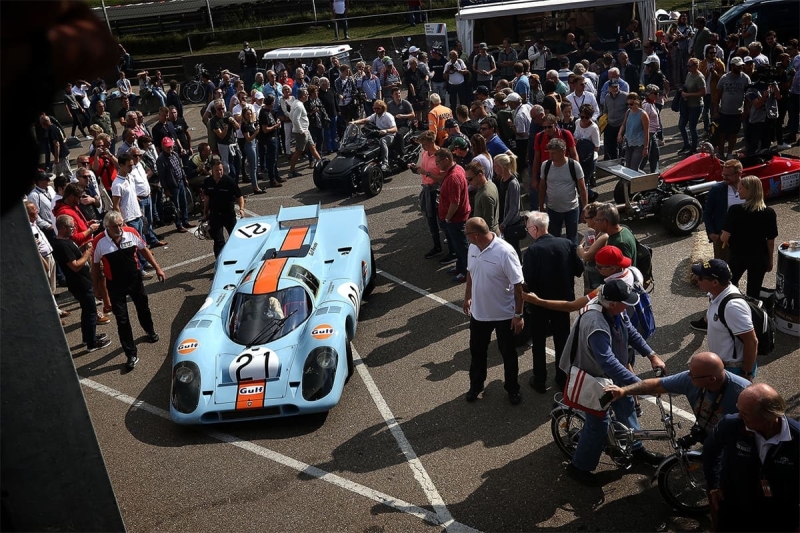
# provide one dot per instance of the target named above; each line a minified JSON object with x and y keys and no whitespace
{"x":319,"y":373}
{"x":185,"y":386}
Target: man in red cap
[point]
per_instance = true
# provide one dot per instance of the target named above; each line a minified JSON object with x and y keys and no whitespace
{"x":174,"y":180}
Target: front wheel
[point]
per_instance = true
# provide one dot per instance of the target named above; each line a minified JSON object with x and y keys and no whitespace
{"x":372,"y":180}
{"x":681,"y":214}
{"x":683,"y":485}
{"x":319,"y":169}
{"x":195,"y":92}
{"x":566,"y":425}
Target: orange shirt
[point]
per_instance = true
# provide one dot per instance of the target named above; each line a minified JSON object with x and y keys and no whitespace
{"x":436,"y":120}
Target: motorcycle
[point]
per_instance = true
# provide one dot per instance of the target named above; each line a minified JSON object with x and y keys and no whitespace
{"x":357,"y":164}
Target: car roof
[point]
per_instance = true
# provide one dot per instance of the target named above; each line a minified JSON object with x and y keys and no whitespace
{"x":306,"y":52}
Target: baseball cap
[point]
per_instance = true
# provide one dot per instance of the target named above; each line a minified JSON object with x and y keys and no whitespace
{"x":613,"y":82}
{"x":483,"y":46}
{"x":481,"y":89}
{"x":381,"y":49}
{"x":737,"y":61}
{"x":42,"y":176}
{"x":713,"y":268}
{"x":451,"y":123}
{"x":259,"y":95}
{"x":513,"y":97}
{"x":387,"y":60}
{"x":167,"y":141}
{"x":413,"y":50}
{"x":748,"y":59}
{"x":611,"y":256}
{"x":617,"y":290}
{"x":461,"y":143}
{"x":564,"y":61}
{"x":650,"y":59}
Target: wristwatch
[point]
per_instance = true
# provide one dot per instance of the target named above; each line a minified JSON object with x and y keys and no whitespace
{"x":517,"y":315}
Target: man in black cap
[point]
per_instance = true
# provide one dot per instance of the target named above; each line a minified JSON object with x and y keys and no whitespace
{"x":481,"y":93}
{"x":603,"y":334}
{"x":453,"y":132}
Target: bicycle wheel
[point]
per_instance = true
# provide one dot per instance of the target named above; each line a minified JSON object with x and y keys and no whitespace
{"x":195,"y":92}
{"x":565,"y":425}
{"x":683,"y":485}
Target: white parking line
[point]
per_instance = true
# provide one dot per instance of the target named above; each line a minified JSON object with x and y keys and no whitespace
{"x":299,"y":466}
{"x":414,"y":463}
{"x":188,"y":261}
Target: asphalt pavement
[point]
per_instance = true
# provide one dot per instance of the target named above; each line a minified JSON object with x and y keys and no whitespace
{"x":402,"y":451}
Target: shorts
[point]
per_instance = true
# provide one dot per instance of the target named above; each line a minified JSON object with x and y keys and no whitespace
{"x":729,"y":124}
{"x":302,"y":140}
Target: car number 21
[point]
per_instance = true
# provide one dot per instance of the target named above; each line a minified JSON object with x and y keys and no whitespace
{"x":256,"y":229}
{"x":254,"y":365}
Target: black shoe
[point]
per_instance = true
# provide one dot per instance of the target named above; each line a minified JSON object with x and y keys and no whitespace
{"x":644,"y":456}
{"x":152,"y":337}
{"x":132,"y":362}
{"x":515,"y":398}
{"x":98,"y":343}
{"x":433,"y":253}
{"x":699,"y":325}
{"x":584,"y":477}
{"x":472,"y":394}
{"x":538,"y":386}
{"x":685,"y":150}
{"x":446,"y":260}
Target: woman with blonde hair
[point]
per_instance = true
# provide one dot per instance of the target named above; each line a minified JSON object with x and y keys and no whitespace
{"x":750,"y":230}
{"x":512,"y":226}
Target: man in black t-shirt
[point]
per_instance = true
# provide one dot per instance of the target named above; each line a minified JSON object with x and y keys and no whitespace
{"x":75,"y":266}
{"x":268,"y":130}
{"x":220,"y":191}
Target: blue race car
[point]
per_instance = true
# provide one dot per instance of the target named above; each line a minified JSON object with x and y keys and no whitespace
{"x":273,"y":337}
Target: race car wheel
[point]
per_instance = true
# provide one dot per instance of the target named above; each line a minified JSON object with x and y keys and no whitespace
{"x":619,"y":192}
{"x":319,"y":168}
{"x":350,"y":365}
{"x":372,"y":180}
{"x":681,"y":214}
{"x":371,"y":283}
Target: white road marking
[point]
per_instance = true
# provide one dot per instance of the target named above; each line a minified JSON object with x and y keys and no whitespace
{"x":299,"y":466}
{"x":188,"y":261}
{"x":677,"y":410}
{"x":421,"y":475}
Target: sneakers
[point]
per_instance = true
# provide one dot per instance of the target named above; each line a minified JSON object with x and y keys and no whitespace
{"x":293,"y":174}
{"x":433,"y":252}
{"x":514,"y":398}
{"x":103,"y":320}
{"x":783,"y":146}
{"x":644,"y":456}
{"x":152,"y":337}
{"x":699,"y":325}
{"x":538,"y":386}
{"x":449,"y":258}
{"x":472,"y":394}
{"x":584,"y":477}
{"x":131,"y":364}
{"x":147,"y":275}
{"x":100,"y":341}
{"x":452,"y":271}
{"x":459,"y":278}
{"x":685,"y":150}
{"x":190,"y":225}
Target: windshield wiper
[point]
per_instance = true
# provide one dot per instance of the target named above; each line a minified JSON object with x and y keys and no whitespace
{"x":278,"y":324}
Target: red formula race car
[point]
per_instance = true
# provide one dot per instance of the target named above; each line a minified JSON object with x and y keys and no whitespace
{"x":676,"y":195}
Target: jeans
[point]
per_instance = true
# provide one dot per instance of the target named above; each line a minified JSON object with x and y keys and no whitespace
{"x":537,"y":321}
{"x":706,"y":111}
{"x":179,"y":197}
{"x":457,"y":241}
{"x":385,"y":141}
{"x":433,"y":227}
{"x":249,"y":152}
{"x":343,"y":18}
{"x":610,"y":145}
{"x":653,"y":155}
{"x":533,"y":192}
{"x":480,"y":335}
{"x":634,"y":155}
{"x":88,"y":315}
{"x":227,"y":158}
{"x":689,"y":116}
{"x":269,"y":159}
{"x":138,"y":225}
{"x":414,"y":15}
{"x":331,"y":136}
{"x":568,"y":219}
{"x":146,"y":205}
{"x":119,"y":291}
{"x":593,"y":437}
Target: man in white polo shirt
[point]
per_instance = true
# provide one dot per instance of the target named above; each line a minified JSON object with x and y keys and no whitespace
{"x":124,"y":200}
{"x":736,"y":344}
{"x":493,"y":300}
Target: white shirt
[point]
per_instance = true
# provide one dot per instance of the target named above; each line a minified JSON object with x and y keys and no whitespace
{"x":764,"y":445}
{"x":299,"y":116}
{"x":592,"y":133}
{"x":41,"y":241}
{"x":237,"y":111}
{"x":522,"y":120}
{"x":494,"y":272}
{"x":383,"y":122}
{"x":139,"y":176}
{"x":578,"y":101}
{"x":733,"y":197}
{"x":737,"y":316}
{"x":43,"y":199}
{"x":128,"y":202}
{"x":339,"y":6}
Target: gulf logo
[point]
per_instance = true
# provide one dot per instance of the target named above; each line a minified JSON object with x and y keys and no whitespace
{"x":321,"y":332}
{"x":187,"y":346}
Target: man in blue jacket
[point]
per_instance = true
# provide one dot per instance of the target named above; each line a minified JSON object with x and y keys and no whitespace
{"x":752,"y":465}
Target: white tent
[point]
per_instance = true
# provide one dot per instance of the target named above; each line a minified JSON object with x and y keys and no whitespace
{"x":465,"y":19}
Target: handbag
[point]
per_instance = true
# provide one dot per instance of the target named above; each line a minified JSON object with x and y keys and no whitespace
{"x":676,"y":101}
{"x":583,"y":391}
{"x":602,"y":122}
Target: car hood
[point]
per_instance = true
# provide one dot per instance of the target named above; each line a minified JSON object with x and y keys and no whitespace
{"x":259,"y":372}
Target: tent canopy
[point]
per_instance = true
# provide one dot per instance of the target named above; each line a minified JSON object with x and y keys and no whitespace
{"x":467,"y":15}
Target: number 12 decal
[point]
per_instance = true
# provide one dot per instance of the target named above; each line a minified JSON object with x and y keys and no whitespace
{"x":252,"y":230}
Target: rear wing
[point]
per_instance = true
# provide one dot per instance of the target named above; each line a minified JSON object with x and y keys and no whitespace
{"x":304,"y":215}
{"x":638,"y":181}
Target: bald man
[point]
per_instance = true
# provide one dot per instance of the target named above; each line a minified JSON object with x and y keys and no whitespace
{"x":752,"y":465}
{"x":711,"y":390}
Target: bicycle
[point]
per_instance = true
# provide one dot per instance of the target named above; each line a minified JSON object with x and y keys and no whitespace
{"x":681,"y":481}
{"x":194,"y":91}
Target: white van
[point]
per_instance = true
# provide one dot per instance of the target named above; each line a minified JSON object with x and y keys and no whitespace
{"x":308,"y":53}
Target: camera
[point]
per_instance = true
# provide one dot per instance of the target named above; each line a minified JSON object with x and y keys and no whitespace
{"x":696,"y":434}
{"x":765,"y":75}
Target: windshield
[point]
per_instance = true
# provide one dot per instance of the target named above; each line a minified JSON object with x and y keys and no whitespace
{"x":733,"y":13}
{"x":261,"y":318}
{"x":351,"y":135}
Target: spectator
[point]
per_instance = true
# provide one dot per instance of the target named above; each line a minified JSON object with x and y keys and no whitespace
{"x":747,"y":30}
{"x":486,"y":203}
{"x":506,"y":58}
{"x":550,"y":266}
{"x":593,"y":241}
{"x":115,"y":254}
{"x":387,"y":129}
{"x":521,"y":122}
{"x":494,"y":144}
{"x":125,"y":89}
{"x":455,"y":72}
{"x":759,"y":100}
{"x":587,"y":144}
{"x":721,"y":197}
{"x":702,"y":36}
{"x":79,"y":115}
{"x":125,"y":201}
{"x":628,"y":71}
{"x":538,"y":54}
{"x":249,"y":129}
{"x":339,"y":9}
{"x":75,"y":262}
{"x":102,"y":118}
{"x":346,"y":92}
{"x":635,"y":130}
{"x":173,"y":181}
{"x":691,"y":106}
{"x":300,"y":133}
{"x":512,"y":225}
{"x":58,"y":146}
{"x":164,"y":128}
{"x":649,"y":106}
{"x":482,"y":155}
{"x":174,"y":97}
{"x":541,"y":153}
{"x":183,"y":134}
{"x":560,"y":192}
{"x":493,"y":301}
{"x":604,"y":333}
{"x":729,"y":105}
{"x":750,"y":462}
{"x":608,"y":221}
{"x":682,"y":38}
{"x":138,"y":175}
{"x":454,"y":209}
{"x":330,"y":102}
{"x":221,"y":200}
{"x":249,"y":63}
{"x":431,"y":176}
{"x":737,"y":343}
{"x":484,"y":66}
{"x":414,"y":12}
{"x":712,"y":68}
{"x":615,"y":106}
{"x":438,"y":117}
{"x":224,"y":127}
{"x":521,"y":84}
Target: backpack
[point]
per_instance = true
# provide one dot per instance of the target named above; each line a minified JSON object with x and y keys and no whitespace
{"x":763,"y":324}
{"x":570,"y":163}
{"x":644,"y":262}
{"x":641,"y":314}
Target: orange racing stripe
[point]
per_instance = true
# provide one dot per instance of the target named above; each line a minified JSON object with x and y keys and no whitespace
{"x":270,"y":273}
{"x":294,"y":239}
